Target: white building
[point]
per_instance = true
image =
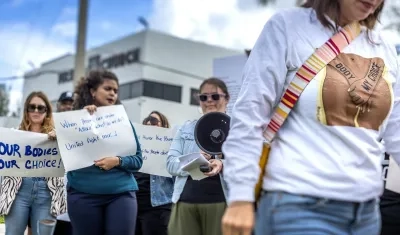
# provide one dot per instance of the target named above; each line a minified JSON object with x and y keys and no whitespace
{"x":156,"y":72}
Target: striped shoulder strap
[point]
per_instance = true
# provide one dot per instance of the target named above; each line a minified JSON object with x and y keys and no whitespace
{"x":313,"y":65}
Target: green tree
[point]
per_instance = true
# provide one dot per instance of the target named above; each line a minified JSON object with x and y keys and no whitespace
{"x":4,"y":101}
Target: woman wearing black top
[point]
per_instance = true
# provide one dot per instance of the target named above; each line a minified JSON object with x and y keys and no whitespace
{"x":198,"y":204}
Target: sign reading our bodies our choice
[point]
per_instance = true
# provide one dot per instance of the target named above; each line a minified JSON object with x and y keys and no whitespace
{"x":28,"y":154}
{"x":84,"y":138}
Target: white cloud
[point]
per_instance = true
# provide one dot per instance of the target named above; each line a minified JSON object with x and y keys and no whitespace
{"x":106,"y":25}
{"x":19,"y":45}
{"x":68,"y":13}
{"x":229,"y":23}
{"x":66,"y":25}
{"x":65,"y":29}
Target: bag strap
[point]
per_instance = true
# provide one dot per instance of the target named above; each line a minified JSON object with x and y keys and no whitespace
{"x":313,"y":65}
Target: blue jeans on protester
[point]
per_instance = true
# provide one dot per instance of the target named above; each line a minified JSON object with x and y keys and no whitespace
{"x":282,"y":213}
{"x":109,"y":214}
{"x":32,"y":202}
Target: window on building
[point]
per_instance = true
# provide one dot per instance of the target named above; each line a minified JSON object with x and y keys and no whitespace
{"x":137,"y":89}
{"x":172,"y":93}
{"x":66,"y":76}
{"x":193,"y":96}
{"x":153,"y":89}
{"x":125,"y":91}
{"x":162,"y":91}
{"x":150,"y":89}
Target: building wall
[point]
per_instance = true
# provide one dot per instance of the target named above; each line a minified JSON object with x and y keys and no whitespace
{"x":162,"y":58}
{"x":139,"y":108}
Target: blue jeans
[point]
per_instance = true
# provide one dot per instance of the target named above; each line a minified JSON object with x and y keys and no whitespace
{"x":282,"y":213}
{"x":32,"y":203}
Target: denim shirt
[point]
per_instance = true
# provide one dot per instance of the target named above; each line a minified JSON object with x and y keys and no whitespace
{"x":161,"y":189}
{"x":182,"y":144}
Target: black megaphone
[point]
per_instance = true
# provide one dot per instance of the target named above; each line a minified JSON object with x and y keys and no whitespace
{"x":210,"y":133}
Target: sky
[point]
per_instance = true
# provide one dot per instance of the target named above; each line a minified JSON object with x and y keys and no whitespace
{"x":36,"y":31}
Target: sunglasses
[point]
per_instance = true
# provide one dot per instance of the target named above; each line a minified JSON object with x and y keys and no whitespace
{"x":40,"y":108}
{"x":153,"y":121}
{"x":214,"y":97}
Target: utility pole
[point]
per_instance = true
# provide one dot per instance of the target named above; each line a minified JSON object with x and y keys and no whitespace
{"x":80,"y":53}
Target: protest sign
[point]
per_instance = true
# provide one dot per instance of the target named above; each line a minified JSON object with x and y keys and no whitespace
{"x":229,"y":69}
{"x":84,"y":138}
{"x":191,"y":163}
{"x":28,"y":154}
{"x":154,"y":142}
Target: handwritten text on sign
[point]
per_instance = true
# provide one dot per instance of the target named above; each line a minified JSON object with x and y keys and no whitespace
{"x":84,"y":138}
{"x":28,"y":154}
{"x":155,"y":143}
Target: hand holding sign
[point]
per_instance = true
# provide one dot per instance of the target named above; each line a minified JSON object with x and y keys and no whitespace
{"x":84,"y":138}
{"x":28,"y":154}
{"x":52,"y":135}
{"x":155,"y":142}
{"x":107,"y":163}
{"x":91,"y":108}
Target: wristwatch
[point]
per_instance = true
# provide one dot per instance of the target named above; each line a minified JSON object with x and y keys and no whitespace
{"x":119,"y":161}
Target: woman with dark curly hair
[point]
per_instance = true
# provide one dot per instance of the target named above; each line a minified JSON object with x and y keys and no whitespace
{"x":101,"y":198}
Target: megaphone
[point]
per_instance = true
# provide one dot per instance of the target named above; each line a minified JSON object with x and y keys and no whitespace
{"x":210,"y":133}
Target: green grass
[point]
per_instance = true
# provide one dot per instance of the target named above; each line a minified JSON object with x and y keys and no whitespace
{"x":1,"y":220}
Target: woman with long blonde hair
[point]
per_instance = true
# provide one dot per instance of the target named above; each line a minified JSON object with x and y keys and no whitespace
{"x":33,"y":199}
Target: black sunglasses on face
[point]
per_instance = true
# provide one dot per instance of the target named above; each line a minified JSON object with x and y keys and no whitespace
{"x":214,"y":97}
{"x":40,"y":108}
{"x":153,"y":121}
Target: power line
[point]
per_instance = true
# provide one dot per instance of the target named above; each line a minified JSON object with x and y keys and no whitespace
{"x":10,"y":78}
{"x":29,"y":75}
{"x":160,"y":67}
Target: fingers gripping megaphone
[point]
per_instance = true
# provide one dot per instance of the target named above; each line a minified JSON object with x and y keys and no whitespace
{"x":210,"y":133}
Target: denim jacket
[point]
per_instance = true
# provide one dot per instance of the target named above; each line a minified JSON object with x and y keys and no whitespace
{"x":161,"y":189}
{"x":182,"y":144}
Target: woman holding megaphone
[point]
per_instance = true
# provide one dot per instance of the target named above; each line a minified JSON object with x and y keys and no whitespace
{"x":198,"y":205}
